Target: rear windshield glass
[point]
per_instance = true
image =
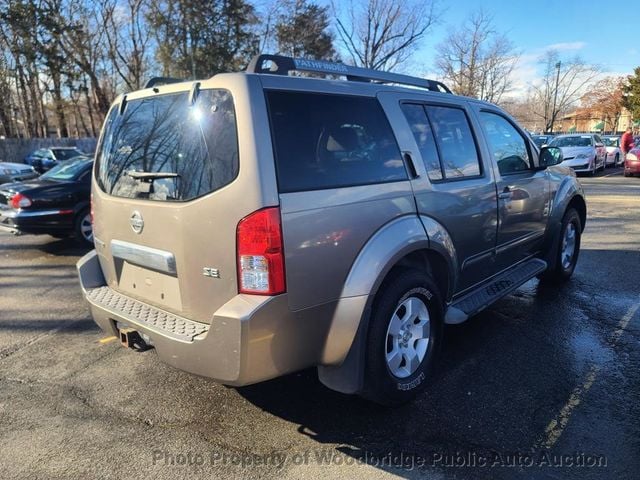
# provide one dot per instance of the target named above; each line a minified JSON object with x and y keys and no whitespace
{"x":162,"y":148}
{"x":329,"y":141}
{"x":66,"y":153}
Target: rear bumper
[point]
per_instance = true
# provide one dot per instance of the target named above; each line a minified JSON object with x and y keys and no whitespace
{"x":36,"y":221}
{"x":250,"y":338}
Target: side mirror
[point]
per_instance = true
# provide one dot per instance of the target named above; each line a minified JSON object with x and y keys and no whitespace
{"x":550,"y":156}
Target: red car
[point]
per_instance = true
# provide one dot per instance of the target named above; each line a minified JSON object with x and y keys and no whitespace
{"x":632,"y":162}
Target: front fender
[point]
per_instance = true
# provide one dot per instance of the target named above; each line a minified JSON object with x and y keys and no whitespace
{"x":567,"y":192}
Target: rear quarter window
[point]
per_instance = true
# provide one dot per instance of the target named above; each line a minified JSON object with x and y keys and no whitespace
{"x":326,"y":141}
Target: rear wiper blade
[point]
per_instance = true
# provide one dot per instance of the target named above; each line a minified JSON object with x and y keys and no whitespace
{"x":151,"y":176}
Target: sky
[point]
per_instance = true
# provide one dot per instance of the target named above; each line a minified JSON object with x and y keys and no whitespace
{"x":593,"y":30}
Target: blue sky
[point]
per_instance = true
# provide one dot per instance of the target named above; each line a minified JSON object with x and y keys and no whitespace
{"x":593,"y":30}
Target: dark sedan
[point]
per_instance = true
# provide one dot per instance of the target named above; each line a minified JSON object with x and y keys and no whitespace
{"x":46,"y":158}
{"x":57,"y":203}
{"x":16,"y":172}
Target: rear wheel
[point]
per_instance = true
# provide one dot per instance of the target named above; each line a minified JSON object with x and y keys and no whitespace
{"x":568,"y":248}
{"x":84,"y":228}
{"x":405,"y":333}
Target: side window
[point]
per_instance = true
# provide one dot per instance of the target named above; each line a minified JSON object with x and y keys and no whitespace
{"x":508,"y":147}
{"x":417,"y":118}
{"x":455,"y":142}
{"x":329,"y":141}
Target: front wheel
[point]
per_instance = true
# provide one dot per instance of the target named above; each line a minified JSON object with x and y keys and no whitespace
{"x":568,"y":246}
{"x":405,"y":333}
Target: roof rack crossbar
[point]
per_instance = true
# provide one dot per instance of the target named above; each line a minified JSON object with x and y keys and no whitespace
{"x":155,"y":81}
{"x":279,"y":65}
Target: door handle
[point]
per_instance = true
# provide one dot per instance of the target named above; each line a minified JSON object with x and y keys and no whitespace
{"x":506,"y":194}
{"x":410,"y":165}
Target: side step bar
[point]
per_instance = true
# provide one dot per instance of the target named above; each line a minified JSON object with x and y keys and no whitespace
{"x":505,"y":283}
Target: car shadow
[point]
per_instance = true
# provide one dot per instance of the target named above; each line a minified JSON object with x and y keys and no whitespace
{"x":503,"y":375}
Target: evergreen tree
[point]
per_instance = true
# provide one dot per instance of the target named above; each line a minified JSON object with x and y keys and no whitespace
{"x":303,"y":31}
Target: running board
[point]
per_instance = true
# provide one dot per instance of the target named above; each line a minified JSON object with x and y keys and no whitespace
{"x":505,"y":283}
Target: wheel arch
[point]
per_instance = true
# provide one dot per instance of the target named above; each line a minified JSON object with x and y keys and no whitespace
{"x":342,"y":364}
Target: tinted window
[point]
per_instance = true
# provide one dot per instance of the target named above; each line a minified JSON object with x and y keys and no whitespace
{"x":331,"y":141}
{"x":195,"y":145}
{"x":508,"y":147}
{"x":455,"y":142}
{"x":417,"y":118}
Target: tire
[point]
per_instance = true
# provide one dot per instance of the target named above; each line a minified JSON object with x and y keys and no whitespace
{"x":566,"y":257}
{"x":410,"y":303}
{"x":83,"y":230}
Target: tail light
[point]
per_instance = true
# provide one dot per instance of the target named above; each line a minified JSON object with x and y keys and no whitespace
{"x":261,"y":253}
{"x":20,"y":201}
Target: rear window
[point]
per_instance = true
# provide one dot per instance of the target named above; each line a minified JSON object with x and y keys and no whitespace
{"x":163,"y":148}
{"x":330,"y":141}
{"x":66,"y":153}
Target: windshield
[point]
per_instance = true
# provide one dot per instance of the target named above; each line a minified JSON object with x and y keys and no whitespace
{"x":66,"y":153}
{"x":67,"y":170}
{"x":611,"y":141}
{"x":541,"y":140}
{"x":195,"y":145}
{"x":574,"y":141}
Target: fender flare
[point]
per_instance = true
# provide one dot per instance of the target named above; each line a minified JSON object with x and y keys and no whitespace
{"x":342,"y":359}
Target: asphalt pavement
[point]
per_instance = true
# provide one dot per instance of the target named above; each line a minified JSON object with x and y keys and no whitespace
{"x":544,"y":384}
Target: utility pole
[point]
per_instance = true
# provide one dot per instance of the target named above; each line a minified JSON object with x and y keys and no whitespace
{"x":555,"y":96}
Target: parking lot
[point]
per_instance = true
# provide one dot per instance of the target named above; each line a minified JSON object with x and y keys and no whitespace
{"x":544,"y":384}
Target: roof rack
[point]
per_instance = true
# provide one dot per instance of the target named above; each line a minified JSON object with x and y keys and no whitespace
{"x":155,"y":81}
{"x":279,"y":65}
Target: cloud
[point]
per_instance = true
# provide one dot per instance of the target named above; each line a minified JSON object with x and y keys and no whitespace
{"x":566,"y":46}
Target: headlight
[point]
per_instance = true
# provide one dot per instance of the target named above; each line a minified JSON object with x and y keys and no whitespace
{"x":632,"y":156}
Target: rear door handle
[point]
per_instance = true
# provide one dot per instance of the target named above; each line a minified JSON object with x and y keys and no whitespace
{"x":506,"y":194}
{"x":410,"y":165}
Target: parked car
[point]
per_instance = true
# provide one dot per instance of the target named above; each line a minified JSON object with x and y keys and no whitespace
{"x":584,"y":153}
{"x":542,"y":140}
{"x":56,"y":203}
{"x":16,"y":172}
{"x":258,"y":223}
{"x":632,"y":162}
{"x":614,"y":154}
{"x":46,"y":158}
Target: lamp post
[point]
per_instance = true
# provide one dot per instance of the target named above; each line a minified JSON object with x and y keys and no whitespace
{"x":555,"y":96}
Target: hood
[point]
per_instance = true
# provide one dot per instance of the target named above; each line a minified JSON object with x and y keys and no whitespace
{"x":17,"y":166}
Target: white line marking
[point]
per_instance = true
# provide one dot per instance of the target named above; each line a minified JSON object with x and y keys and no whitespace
{"x":556,"y":426}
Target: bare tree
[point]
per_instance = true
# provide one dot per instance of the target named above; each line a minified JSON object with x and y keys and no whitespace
{"x":127,"y":38}
{"x":476,"y":60}
{"x":605,"y":100}
{"x":562,"y":84}
{"x":382,"y":34}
